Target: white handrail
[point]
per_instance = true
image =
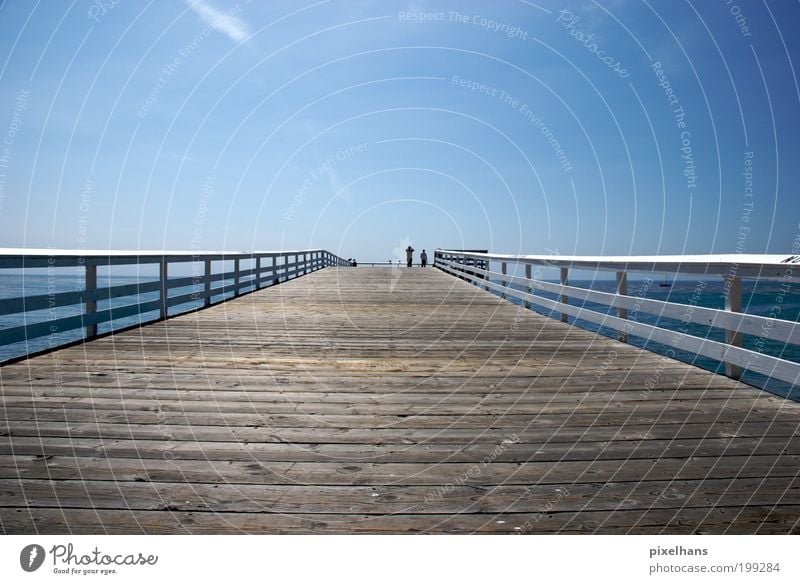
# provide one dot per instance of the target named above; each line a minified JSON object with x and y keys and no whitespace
{"x":474,"y":267}
{"x":771,"y":266}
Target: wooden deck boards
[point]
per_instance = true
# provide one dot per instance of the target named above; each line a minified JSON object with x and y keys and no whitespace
{"x":385,"y":400}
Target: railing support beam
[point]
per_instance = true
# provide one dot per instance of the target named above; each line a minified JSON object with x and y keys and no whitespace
{"x":733,"y":303}
{"x":91,"y":305}
{"x":622,"y":289}
{"x":207,"y":283}
{"x":529,"y":288}
{"x":164,"y":288}
{"x":564,"y":299}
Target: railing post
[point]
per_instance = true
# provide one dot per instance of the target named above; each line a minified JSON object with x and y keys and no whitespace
{"x":504,"y":271}
{"x":275,"y":279}
{"x":235,"y":277}
{"x":91,"y":305}
{"x":622,"y":289}
{"x":164,"y":288}
{"x":564,"y":299}
{"x":529,"y":289}
{"x":305,"y":263}
{"x":258,"y":272}
{"x":207,"y":284}
{"x":733,"y":303}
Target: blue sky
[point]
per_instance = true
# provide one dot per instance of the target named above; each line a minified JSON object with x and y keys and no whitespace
{"x":515,"y":126}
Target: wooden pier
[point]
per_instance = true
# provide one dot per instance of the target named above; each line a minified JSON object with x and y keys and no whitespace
{"x":386,"y":400}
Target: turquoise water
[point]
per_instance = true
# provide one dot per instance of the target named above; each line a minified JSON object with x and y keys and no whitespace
{"x":758,"y":298}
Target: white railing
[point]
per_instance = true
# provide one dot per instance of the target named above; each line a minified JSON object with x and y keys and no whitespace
{"x":270,"y":268}
{"x":732,"y":268}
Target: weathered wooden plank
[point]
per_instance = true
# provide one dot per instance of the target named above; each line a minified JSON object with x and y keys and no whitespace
{"x":281,"y":395}
{"x":716,"y":520}
{"x":388,"y":425}
{"x":385,"y":414}
{"x":362,"y":469}
{"x":447,"y":499}
{"x":542,"y":431}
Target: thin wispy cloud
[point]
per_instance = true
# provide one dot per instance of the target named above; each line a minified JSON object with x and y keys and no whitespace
{"x":225,"y":22}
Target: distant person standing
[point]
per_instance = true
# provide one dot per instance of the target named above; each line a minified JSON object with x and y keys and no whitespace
{"x":409,"y":256}
{"x":423,"y":258}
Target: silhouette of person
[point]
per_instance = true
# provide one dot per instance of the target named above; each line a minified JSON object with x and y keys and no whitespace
{"x":409,"y":256}
{"x":423,"y":258}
